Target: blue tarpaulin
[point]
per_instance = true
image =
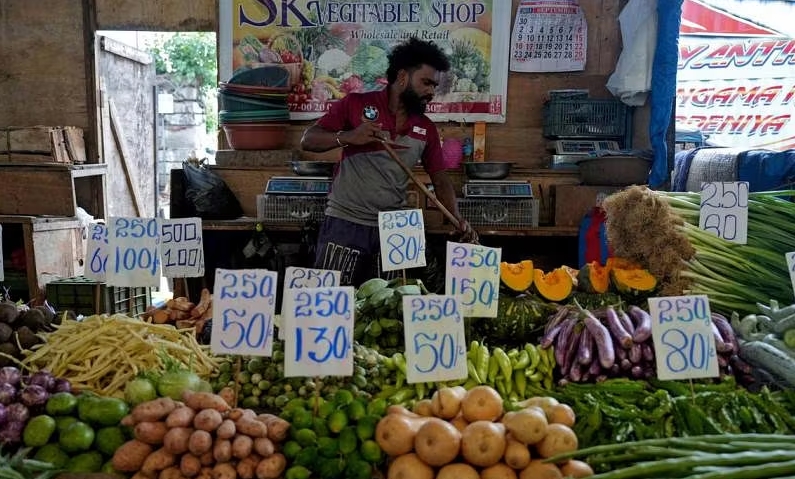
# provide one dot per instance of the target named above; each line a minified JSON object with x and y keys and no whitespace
{"x":663,"y":87}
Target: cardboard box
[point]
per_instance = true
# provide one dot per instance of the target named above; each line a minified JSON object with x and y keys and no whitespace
{"x":572,"y":202}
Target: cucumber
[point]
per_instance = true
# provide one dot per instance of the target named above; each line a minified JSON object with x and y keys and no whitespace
{"x":789,"y":338}
{"x":764,"y":355}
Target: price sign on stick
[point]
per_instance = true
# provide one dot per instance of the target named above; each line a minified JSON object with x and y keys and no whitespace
{"x":473,"y":273}
{"x":402,"y":235}
{"x":96,"y":252}
{"x":133,"y":252}
{"x":307,"y":278}
{"x":435,"y":342}
{"x":684,"y":345}
{"x":243,"y":310}
{"x":181,"y":248}
{"x":724,"y":210}
{"x":318,"y":324}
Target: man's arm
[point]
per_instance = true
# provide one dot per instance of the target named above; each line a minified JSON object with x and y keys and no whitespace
{"x":318,"y":139}
{"x":445,"y":192}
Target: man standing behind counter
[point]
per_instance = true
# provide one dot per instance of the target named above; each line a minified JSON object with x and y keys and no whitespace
{"x":367,"y":180}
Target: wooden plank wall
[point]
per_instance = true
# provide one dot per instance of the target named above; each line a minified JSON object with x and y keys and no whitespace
{"x":42,"y":64}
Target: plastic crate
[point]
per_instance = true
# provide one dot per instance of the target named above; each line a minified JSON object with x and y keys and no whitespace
{"x":274,"y":209}
{"x":508,"y":213}
{"x":85,"y":296}
{"x":586,"y":118}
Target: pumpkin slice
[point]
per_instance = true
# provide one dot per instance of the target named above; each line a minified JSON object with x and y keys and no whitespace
{"x":593,"y":278}
{"x":517,"y":276}
{"x":621,"y":263}
{"x":553,"y":286}
{"x":633,"y":281}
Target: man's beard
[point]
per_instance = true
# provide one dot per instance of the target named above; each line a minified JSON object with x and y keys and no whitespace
{"x":413,"y":103}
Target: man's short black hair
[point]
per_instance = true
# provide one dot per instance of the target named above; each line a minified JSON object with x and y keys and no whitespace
{"x":413,"y":54}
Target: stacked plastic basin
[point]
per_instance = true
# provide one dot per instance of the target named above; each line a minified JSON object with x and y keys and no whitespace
{"x":253,"y":108}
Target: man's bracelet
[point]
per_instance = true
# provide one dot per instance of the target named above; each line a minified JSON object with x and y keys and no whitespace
{"x":337,"y":137}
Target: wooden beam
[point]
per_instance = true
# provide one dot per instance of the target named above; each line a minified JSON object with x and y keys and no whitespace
{"x":124,"y":153}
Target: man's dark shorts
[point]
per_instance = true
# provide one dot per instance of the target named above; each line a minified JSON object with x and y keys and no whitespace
{"x":351,"y":248}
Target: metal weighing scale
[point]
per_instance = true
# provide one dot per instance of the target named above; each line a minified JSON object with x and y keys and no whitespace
{"x":503,"y":204}
{"x":293,"y":199}
{"x":566,"y":153}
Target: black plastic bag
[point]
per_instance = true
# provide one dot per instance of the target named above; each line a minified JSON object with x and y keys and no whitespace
{"x":208,"y":193}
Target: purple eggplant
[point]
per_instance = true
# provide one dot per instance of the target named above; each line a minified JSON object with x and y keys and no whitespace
{"x":636,"y":372}
{"x":720,"y":345}
{"x":3,"y":415}
{"x":642,"y":324}
{"x":595,"y":368}
{"x":17,"y":412}
{"x":550,"y":336}
{"x":571,"y":353}
{"x":585,"y":349}
{"x":615,"y":369}
{"x":602,"y":340}
{"x":10,"y":375}
{"x":739,"y":364}
{"x":556,"y":318}
{"x":635,"y":353}
{"x":726,"y":331}
{"x":626,"y":321}
{"x":616,"y":329}
{"x":563,"y":340}
{"x":8,"y":394}
{"x":621,"y":353}
{"x":33,"y":396}
{"x":722,"y":361}
{"x":575,"y":373}
{"x":647,"y":349}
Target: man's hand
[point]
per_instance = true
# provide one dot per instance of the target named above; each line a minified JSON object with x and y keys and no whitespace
{"x":363,"y":134}
{"x":465,"y":232}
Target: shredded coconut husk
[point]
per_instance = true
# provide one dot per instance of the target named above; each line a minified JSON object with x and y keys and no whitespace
{"x":642,"y":227}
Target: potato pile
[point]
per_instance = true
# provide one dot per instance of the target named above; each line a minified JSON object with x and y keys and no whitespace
{"x":202,"y":437}
{"x":460,"y":434}
{"x":182,"y":313}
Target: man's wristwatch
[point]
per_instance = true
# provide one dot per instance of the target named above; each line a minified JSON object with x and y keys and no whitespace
{"x":340,"y":143}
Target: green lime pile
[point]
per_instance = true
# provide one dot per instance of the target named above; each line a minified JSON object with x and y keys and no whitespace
{"x":77,"y":433}
{"x":333,"y":438}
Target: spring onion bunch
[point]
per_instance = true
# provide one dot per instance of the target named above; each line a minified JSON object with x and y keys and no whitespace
{"x":735,"y":276}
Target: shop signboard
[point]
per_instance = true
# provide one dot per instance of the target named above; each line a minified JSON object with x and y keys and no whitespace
{"x":736,"y":73}
{"x":333,"y":48}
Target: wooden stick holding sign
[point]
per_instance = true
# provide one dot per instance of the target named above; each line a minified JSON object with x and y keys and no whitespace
{"x":453,"y":220}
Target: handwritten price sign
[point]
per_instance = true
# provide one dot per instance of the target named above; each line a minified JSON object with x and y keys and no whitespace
{"x":402,"y":235}
{"x":318,"y":324}
{"x":724,"y":210}
{"x":133,"y":252}
{"x":473,"y":273}
{"x":434,"y":334}
{"x":243,"y":310}
{"x":683,"y":340}
{"x":307,"y":278}
{"x":182,"y":251}
{"x":97,"y":252}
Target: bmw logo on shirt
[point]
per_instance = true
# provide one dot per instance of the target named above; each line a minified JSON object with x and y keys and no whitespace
{"x":370,"y":113}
